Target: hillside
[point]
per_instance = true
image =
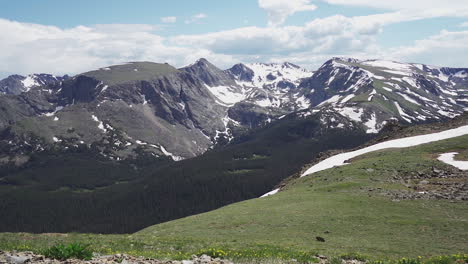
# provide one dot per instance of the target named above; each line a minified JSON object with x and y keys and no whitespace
{"x":390,"y":203}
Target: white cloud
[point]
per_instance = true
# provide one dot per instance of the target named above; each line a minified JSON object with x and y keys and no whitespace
{"x":196,"y":18}
{"x":279,"y":10}
{"x":464,"y":24}
{"x":169,"y":19}
{"x":402,"y":4}
{"x":426,"y":8}
{"x":328,"y":35}
{"x":31,"y":48}
{"x":444,"y":49}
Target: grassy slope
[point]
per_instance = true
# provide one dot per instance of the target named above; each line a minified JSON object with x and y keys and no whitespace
{"x":338,"y":201}
{"x":126,"y":72}
{"x":335,"y":204}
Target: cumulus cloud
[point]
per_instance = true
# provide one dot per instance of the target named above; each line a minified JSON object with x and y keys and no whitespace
{"x":279,"y":10}
{"x":402,"y":4}
{"x":335,"y":34}
{"x":169,"y":19}
{"x":31,"y":48}
{"x":448,"y":48}
{"x":196,"y":18}
{"x":426,"y":8}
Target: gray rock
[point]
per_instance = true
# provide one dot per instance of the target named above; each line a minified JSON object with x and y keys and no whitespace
{"x":18,"y":259}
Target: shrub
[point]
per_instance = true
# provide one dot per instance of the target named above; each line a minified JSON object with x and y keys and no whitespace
{"x":73,"y":250}
{"x":354,"y":256}
{"x":409,"y":261}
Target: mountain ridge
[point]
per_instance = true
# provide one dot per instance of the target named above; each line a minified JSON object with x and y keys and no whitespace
{"x":367,"y":92}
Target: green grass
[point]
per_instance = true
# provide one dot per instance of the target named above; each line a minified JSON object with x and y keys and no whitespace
{"x":335,"y":204}
{"x":126,"y":73}
{"x":72,"y":250}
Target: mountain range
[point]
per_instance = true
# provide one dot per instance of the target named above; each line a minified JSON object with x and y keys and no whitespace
{"x":181,"y":113}
{"x":194,"y":138}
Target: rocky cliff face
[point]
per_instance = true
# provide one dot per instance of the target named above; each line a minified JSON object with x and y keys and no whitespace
{"x":159,"y":109}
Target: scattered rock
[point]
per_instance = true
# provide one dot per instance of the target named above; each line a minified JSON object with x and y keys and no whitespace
{"x":30,"y":257}
{"x":17,"y":259}
{"x":320,"y":239}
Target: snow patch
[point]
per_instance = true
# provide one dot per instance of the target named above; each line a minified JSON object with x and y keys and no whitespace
{"x":303,"y":103}
{"x":167,"y":153}
{"x":371,"y":124}
{"x":389,"y":65}
{"x":264,"y":102}
{"x":331,"y":100}
{"x":100,"y":125}
{"x":347,"y":98}
{"x":29,"y":82}
{"x":270,"y":193}
{"x":448,"y":158}
{"x":352,"y":113}
{"x":409,"y":99}
{"x":340,"y":159}
{"x":402,"y":113}
{"x":226,"y":94}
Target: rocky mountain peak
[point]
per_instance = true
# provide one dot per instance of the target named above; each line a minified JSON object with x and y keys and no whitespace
{"x":241,"y":72}
{"x":209,"y":73}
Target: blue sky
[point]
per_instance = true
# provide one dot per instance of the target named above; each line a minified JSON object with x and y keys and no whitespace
{"x":63,"y":36}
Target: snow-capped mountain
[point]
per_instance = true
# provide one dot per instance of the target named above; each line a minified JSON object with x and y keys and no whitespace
{"x":16,"y":84}
{"x":182,"y":113}
{"x":270,"y":76}
{"x":372,"y":92}
{"x":272,"y":84}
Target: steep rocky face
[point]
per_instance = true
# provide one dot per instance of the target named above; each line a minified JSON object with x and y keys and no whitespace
{"x":209,"y":74}
{"x":161,"y":110}
{"x":242,"y":73}
{"x":16,"y":84}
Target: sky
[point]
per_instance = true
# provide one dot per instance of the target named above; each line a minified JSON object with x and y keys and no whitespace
{"x":70,"y":37}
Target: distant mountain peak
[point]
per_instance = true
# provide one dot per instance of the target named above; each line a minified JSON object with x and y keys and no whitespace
{"x":346,"y":59}
{"x":202,"y":61}
{"x":16,"y":84}
{"x":209,"y":73}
